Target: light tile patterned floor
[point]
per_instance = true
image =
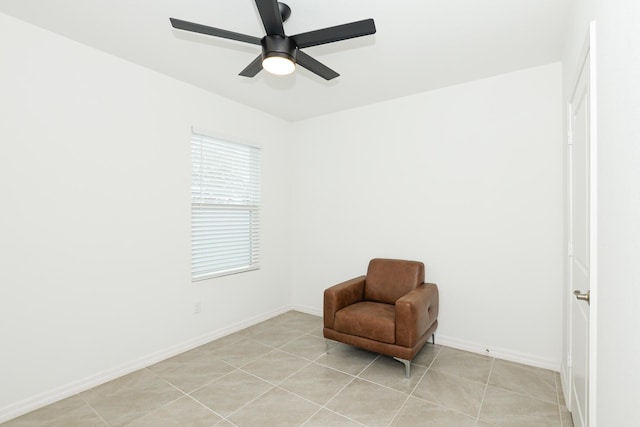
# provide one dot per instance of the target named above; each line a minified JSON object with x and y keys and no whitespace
{"x":277,"y":373}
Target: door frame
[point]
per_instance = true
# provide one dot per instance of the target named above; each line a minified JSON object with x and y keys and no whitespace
{"x":587,"y":59}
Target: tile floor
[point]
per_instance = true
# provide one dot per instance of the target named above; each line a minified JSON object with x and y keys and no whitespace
{"x":277,"y":373}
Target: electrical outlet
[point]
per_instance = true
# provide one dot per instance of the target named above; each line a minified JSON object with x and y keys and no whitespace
{"x":197,"y":307}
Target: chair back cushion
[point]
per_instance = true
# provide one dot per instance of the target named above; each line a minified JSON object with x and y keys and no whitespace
{"x":389,"y":279}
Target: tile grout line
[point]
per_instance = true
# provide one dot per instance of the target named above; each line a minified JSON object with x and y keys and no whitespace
{"x":358,"y":376}
{"x":558,"y":391}
{"x":353,"y":378}
{"x":214,"y":380}
{"x":250,"y":401}
{"x":236,"y":369}
{"x":147,"y":413}
{"x":302,"y":357}
{"x":524,"y":395}
{"x":486,"y":387}
{"x":338,"y":414}
{"x":207,"y":408}
{"x":312,"y":415}
{"x":277,"y":386}
{"x":94,"y":410}
{"x":410,"y":394}
{"x":493,"y":362}
{"x":315,"y":361}
{"x":184,"y":394}
{"x":427,"y":370}
{"x":441,"y":406}
{"x":273,"y":386}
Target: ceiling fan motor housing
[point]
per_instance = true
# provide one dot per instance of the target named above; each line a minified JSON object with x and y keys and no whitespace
{"x":278,"y":46}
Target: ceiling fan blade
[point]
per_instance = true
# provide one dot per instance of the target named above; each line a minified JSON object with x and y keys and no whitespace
{"x":211,"y":31}
{"x":253,"y":68}
{"x":315,"y":66}
{"x":334,"y":34}
{"x":271,"y":18}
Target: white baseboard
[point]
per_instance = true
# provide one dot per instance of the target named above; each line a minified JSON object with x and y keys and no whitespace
{"x":473,"y":347}
{"x":308,"y":310}
{"x":51,"y":396}
{"x":499,"y":353}
{"x":565,"y":382}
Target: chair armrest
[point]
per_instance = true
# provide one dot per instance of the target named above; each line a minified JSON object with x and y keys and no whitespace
{"x":341,"y":295}
{"x":415,"y":313}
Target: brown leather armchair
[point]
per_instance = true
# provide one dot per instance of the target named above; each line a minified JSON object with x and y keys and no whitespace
{"x":390,"y":310}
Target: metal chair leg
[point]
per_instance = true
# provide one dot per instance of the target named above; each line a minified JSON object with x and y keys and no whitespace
{"x":407,"y":366}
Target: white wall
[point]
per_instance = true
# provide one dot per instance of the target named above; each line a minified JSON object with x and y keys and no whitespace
{"x":619,"y":213}
{"x":618,"y":326}
{"x":95,"y":214}
{"x":466,"y":179}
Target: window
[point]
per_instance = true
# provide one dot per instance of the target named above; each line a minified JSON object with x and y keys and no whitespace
{"x":225,"y":207}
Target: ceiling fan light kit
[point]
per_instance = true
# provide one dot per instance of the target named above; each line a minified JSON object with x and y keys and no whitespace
{"x":278,"y":55}
{"x":278,"y":65}
{"x":281,"y":53}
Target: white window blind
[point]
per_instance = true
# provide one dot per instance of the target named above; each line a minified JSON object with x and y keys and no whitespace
{"x":225,"y":207}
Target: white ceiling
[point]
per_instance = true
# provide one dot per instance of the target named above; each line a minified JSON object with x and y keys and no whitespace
{"x":420,"y":45}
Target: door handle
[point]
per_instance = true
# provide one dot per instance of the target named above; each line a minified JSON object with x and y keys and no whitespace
{"x":582,"y":297}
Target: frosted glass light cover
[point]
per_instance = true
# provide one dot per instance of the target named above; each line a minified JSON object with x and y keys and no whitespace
{"x":278,"y":65}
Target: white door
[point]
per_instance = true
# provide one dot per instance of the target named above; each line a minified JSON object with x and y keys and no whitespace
{"x":582,"y":235}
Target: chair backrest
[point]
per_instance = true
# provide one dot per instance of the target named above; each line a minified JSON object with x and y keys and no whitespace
{"x":389,"y":279}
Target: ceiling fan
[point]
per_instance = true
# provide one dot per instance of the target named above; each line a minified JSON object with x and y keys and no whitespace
{"x":280,"y":52}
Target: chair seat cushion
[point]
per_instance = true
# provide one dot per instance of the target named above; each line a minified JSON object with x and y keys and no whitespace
{"x":373,"y":320}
